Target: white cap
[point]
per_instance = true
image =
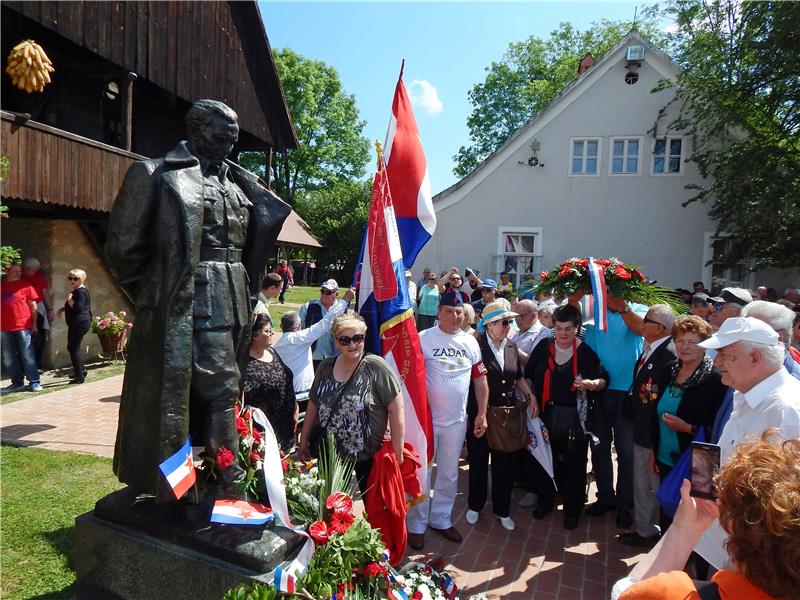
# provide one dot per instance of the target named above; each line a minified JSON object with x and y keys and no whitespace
{"x":741,"y":329}
{"x":330,"y":284}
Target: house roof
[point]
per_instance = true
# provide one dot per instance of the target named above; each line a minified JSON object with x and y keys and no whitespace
{"x":296,"y":232}
{"x":458,"y":190}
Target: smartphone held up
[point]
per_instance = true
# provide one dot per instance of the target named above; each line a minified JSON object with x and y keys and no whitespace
{"x":705,"y":464}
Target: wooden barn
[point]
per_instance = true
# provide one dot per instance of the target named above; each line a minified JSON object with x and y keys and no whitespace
{"x":125,"y":75}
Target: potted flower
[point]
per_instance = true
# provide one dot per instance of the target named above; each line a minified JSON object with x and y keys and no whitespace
{"x":112,"y":329}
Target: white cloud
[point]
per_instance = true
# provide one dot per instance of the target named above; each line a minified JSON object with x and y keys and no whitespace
{"x":425,"y":95}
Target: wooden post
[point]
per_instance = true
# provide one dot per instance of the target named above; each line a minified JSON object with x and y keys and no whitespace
{"x":268,"y":167}
{"x":127,"y":109}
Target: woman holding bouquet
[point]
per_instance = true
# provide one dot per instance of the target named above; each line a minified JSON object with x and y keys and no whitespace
{"x":77,"y":311}
{"x":354,"y":397}
{"x":565,"y":374}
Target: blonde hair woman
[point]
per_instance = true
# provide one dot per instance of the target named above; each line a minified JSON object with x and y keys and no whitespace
{"x":354,"y":396}
{"x":77,"y":311}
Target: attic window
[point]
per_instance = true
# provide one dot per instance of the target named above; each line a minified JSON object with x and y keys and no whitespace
{"x":635,"y":52}
{"x":631,"y":77}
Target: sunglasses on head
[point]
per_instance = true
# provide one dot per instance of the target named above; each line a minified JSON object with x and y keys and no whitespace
{"x":356,"y":339}
{"x":71,"y":278}
{"x":329,"y":292}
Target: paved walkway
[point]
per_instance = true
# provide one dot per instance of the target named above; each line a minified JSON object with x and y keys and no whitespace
{"x":538,"y":561}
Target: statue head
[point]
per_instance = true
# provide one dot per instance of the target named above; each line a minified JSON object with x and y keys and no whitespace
{"x":212,"y":128}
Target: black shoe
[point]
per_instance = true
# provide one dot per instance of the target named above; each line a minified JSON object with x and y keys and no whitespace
{"x":540,"y":512}
{"x":598,"y":509}
{"x":631,"y":538}
{"x":570,"y":522}
{"x":76,"y":381}
{"x":624,"y":518}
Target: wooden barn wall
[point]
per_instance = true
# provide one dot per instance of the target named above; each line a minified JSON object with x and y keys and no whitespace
{"x":56,"y":167}
{"x":191,"y":49}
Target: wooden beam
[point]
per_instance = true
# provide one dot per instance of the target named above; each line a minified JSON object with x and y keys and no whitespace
{"x":268,"y":167}
{"x":127,"y":109}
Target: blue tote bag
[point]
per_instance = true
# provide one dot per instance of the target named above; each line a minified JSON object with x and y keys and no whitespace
{"x":669,"y":492}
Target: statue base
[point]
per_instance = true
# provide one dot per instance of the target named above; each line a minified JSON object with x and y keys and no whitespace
{"x":130,"y":548}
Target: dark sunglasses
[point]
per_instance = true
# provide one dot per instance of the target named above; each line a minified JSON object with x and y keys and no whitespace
{"x":328,"y":292}
{"x":717,"y":306}
{"x":646,"y":320}
{"x":505,"y":322}
{"x":356,"y":339}
{"x":73,"y":278}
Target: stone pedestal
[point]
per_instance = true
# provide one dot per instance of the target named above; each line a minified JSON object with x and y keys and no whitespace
{"x":129,"y":548}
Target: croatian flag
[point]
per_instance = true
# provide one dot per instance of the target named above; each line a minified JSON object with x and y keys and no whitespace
{"x":385,"y":305}
{"x":179,"y":470}
{"x":600,"y":306}
{"x":240,"y":512}
{"x":407,"y":170}
{"x":449,"y":586}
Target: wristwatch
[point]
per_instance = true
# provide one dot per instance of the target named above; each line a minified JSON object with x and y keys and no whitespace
{"x":626,"y":310}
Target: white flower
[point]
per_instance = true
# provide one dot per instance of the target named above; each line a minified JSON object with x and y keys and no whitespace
{"x":247,"y":441}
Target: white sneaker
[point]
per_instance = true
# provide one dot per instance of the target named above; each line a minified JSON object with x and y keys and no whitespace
{"x":528,"y":500}
{"x":508,"y":523}
{"x":472,"y":516}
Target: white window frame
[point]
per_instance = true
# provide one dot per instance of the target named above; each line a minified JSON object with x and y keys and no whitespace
{"x":708,"y":267}
{"x":599,"y":170}
{"x":611,"y":156}
{"x":668,"y":139}
{"x":505,"y":230}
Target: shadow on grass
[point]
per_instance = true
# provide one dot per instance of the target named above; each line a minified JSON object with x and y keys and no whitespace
{"x":63,"y":543}
{"x":64,"y":594}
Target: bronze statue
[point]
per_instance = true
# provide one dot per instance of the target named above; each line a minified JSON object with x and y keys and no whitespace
{"x":188,"y":241}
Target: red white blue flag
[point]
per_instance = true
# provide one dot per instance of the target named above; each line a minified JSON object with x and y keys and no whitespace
{"x":391,"y":331}
{"x":598,"y":280}
{"x":240,"y":512}
{"x":179,"y":470}
{"x":407,"y":170}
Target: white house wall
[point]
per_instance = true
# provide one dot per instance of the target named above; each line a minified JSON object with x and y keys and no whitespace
{"x":638,"y":218}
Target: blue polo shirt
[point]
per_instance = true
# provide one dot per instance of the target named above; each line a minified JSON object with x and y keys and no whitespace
{"x":618,"y":348}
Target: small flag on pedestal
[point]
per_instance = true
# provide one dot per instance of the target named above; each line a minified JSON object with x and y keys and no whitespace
{"x":179,"y":470}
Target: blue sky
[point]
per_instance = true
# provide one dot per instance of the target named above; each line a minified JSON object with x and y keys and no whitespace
{"x":446,"y":46}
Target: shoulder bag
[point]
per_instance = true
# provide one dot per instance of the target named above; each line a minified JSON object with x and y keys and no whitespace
{"x":507,"y":427}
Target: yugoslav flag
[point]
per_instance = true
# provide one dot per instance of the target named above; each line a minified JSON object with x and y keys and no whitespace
{"x":385,"y":305}
{"x":284,"y":582}
{"x":240,"y":512}
{"x":407,"y":170}
{"x":179,"y":470}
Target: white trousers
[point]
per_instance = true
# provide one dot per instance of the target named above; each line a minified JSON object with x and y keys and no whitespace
{"x":447,"y":443}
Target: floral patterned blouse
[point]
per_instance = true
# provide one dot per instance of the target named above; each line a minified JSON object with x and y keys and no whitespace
{"x":269,"y":386}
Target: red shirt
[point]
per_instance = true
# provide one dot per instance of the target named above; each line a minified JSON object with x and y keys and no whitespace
{"x":38,"y":282}
{"x":16,"y":314}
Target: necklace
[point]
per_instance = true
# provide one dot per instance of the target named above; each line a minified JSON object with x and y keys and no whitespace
{"x":563,"y":351}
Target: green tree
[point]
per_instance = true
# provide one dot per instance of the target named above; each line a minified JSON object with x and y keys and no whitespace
{"x":337,"y":215}
{"x":530,"y":74}
{"x":328,"y":128}
{"x":738,"y":97}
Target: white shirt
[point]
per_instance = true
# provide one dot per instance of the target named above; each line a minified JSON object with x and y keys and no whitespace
{"x":294,"y":347}
{"x":775,"y":402}
{"x":524,"y":339}
{"x":449,"y":361}
{"x":649,"y":351}
{"x":499,"y":353}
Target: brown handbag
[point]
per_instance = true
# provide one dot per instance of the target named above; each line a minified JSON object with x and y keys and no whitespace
{"x":507,"y":428}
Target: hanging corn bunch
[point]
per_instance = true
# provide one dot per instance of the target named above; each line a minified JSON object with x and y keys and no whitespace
{"x":29,"y":67}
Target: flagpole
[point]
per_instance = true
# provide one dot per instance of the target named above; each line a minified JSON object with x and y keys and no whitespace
{"x":402,"y":66}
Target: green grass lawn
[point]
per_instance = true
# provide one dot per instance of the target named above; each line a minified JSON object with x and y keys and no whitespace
{"x":52,"y":381}
{"x":43,"y":491}
{"x":300,"y":294}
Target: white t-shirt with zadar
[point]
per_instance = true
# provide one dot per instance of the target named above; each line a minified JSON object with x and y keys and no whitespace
{"x":451,"y":361}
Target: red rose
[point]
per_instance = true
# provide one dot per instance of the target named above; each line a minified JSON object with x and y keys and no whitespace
{"x":373,"y":569}
{"x":565,"y":272}
{"x":602,"y":262}
{"x":256,"y":435}
{"x":416,"y":596}
{"x":318,"y":531}
{"x":341,"y":521}
{"x":339,"y":502}
{"x":622,"y":273}
{"x":241,"y":426}
{"x":225,"y":458}
{"x":284,"y":465}
{"x":543,"y":275}
{"x":254,"y":457}
{"x":582,"y":263}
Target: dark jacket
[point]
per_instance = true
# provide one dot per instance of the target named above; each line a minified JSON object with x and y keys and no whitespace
{"x":640,"y":403}
{"x":501,"y":381}
{"x":698,"y":406}
{"x":153,"y":249}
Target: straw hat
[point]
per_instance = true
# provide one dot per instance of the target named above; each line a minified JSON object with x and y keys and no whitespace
{"x":497,"y":311}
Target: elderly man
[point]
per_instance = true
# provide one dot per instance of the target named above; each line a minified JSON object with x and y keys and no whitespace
{"x":700,"y":306}
{"x":188,"y":240}
{"x":18,"y":322}
{"x":728,"y":304}
{"x":750,"y":359}
{"x":640,"y":406}
{"x":312,"y":312}
{"x":452,"y":360}
{"x":270,"y":288}
{"x":792,"y":295}
{"x":531,"y":331}
{"x":781,"y":320}
{"x":294,"y":346}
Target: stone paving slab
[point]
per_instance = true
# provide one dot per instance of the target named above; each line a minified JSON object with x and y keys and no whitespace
{"x":537,"y":561}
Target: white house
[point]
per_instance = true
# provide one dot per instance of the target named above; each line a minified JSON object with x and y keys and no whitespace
{"x":595,"y":173}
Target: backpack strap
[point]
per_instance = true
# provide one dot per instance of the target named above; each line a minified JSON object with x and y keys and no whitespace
{"x":707,"y":590}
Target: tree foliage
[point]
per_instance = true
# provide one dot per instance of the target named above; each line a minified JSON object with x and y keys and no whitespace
{"x":530,"y":74}
{"x":738,"y":97}
{"x":328,"y":128}
{"x":337,"y":216}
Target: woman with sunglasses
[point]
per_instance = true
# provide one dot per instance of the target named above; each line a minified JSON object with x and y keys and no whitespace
{"x":269,"y":383}
{"x":354,"y":397}
{"x":565,"y":374}
{"x":77,"y":311}
{"x":504,"y":376}
{"x":428,"y":303}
